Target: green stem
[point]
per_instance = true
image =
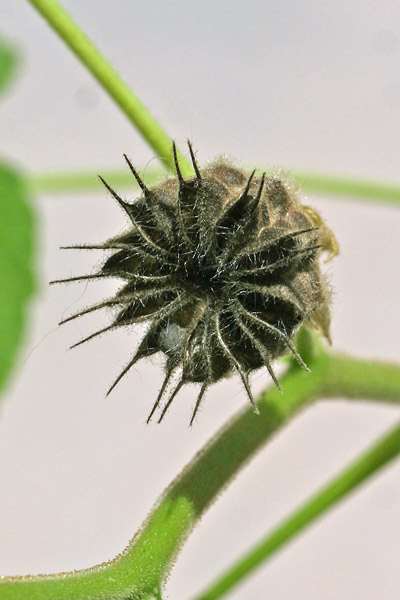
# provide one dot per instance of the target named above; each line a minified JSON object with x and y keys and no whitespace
{"x":88,"y":181}
{"x":143,"y":566}
{"x":385,"y":450}
{"x":344,"y":377}
{"x":349,"y":186}
{"x":106,"y":75}
{"x":354,"y":378}
{"x":76,"y":181}
{"x":147,"y":560}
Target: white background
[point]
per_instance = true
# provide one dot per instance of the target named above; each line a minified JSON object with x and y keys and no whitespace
{"x":301,"y":84}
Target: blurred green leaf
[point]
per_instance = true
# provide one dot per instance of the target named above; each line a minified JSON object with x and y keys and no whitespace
{"x":8,"y":63}
{"x":17,"y":228}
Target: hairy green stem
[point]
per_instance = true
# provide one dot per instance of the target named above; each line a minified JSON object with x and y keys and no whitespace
{"x":145,"y":563}
{"x":383,"y":451}
{"x":77,"y":181}
{"x":111,"y":81}
{"x":143,"y":566}
{"x":355,"y":378}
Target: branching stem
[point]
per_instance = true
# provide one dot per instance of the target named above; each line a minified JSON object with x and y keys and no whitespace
{"x":140,"y":571}
{"x":143,"y":566}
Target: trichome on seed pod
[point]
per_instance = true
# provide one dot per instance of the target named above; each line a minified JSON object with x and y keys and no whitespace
{"x":224,"y":266}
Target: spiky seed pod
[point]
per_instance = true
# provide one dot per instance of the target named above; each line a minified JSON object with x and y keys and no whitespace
{"x":225,"y":268}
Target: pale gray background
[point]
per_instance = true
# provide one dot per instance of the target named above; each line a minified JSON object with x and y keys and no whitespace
{"x":302,"y":84}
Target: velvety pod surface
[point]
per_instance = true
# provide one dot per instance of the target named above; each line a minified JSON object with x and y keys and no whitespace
{"x":225,"y":269}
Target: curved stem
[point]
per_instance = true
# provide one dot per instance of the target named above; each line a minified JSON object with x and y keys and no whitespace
{"x":382,"y":452}
{"x":349,"y":378}
{"x":145,"y":563}
{"x":111,"y":81}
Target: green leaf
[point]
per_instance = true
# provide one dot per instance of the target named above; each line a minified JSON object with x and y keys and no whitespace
{"x":17,"y":229}
{"x":8,"y":63}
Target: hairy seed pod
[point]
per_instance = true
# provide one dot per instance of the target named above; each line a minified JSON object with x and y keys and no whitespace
{"x":224,"y":266}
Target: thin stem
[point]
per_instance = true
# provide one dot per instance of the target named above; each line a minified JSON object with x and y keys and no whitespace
{"x":87,"y":181}
{"x":383,"y":451}
{"x":111,"y":81}
{"x":349,"y":186}
{"x":76,"y":181}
